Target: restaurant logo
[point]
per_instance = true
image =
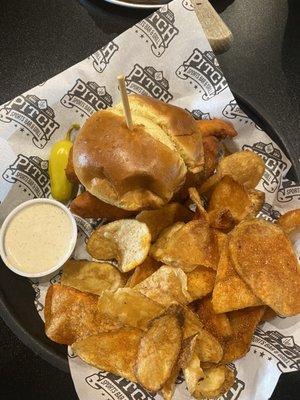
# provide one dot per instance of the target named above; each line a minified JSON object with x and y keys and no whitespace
{"x":268,"y":213}
{"x":87,"y":97}
{"x":32,"y":172}
{"x":288,"y":191}
{"x":198,"y":114}
{"x":159,"y":28}
{"x":34,"y":115}
{"x":37,"y":295}
{"x":113,"y":387}
{"x":233,"y":111}
{"x":202,"y":71}
{"x":56,"y":278}
{"x":149,"y":82}
{"x":187,"y":4}
{"x":103,"y":56}
{"x":273,"y":161}
{"x":274,"y":346}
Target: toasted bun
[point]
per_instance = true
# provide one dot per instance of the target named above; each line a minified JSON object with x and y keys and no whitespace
{"x":141,"y":168}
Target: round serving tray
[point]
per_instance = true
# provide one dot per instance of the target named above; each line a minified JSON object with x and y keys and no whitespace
{"x":17,"y":296}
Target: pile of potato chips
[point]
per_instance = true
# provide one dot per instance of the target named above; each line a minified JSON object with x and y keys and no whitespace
{"x":178,"y":290}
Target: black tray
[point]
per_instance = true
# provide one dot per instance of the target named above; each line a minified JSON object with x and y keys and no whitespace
{"x":17,"y":296}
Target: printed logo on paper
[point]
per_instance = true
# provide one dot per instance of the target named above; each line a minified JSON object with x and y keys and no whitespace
{"x":198,"y":114}
{"x":268,"y":213}
{"x":113,"y":387}
{"x":288,"y":191}
{"x":275,"y":166}
{"x":203,"y":73}
{"x":56,"y":278}
{"x":32,"y":172}
{"x":33,"y":115}
{"x":158,"y":29}
{"x":233,"y":111}
{"x":149,"y":82}
{"x":103,"y":56}
{"x":273,"y":346}
{"x":87,"y":97}
{"x":187,"y":4}
{"x":35,"y":285}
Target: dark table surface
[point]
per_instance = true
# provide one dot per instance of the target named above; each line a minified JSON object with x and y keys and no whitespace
{"x":41,"y":38}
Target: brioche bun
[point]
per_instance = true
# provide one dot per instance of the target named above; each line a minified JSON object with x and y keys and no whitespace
{"x":141,"y":168}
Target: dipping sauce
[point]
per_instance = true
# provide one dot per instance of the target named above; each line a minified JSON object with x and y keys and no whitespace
{"x":38,"y":237}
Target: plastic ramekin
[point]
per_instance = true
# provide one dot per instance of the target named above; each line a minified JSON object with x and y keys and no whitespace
{"x":9,"y":218}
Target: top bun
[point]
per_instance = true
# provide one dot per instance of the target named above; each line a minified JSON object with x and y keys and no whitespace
{"x":141,"y":168}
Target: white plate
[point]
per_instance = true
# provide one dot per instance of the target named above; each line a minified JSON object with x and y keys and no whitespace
{"x":129,"y":4}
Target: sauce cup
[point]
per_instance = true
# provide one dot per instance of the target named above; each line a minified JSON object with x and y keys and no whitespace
{"x":72,"y":227}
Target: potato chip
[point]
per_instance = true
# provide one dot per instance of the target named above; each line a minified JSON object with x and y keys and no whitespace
{"x":187,"y":246}
{"x":269,"y":314}
{"x":245,"y":167}
{"x":290,"y":221}
{"x":190,"y":363}
{"x":159,"y":349}
{"x":217,"y":324}
{"x":129,"y":307}
{"x":230,"y":195}
{"x":211,"y":148}
{"x":257,"y":199}
{"x":221,"y":219}
{"x":207,"y":347}
{"x":217,"y":380}
{"x":265,"y":259}
{"x":158,"y":220}
{"x":165,"y":286}
{"x":70,"y":315}
{"x":127,"y":241}
{"x":216,"y":127}
{"x":230,"y":291}
{"x":200,"y":282}
{"x":115,"y":352}
{"x":91,"y":277}
{"x":168,"y":388}
{"x":201,"y":213}
{"x":143,"y":271}
{"x":243,"y":324}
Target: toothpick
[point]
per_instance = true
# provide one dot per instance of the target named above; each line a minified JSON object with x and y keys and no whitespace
{"x":124,"y":96}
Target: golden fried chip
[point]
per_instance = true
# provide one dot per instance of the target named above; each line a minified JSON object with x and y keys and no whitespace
{"x":142,"y":271}
{"x":216,"y":127}
{"x":265,"y":259}
{"x":217,"y":380}
{"x":217,"y":324}
{"x":257,"y":199}
{"x":243,"y":324}
{"x":115,"y":352}
{"x":158,"y":220}
{"x":159,"y":349}
{"x":187,"y":246}
{"x":230,"y":291}
{"x":168,"y":388}
{"x":129,"y":307}
{"x":200,"y":282}
{"x":211,"y":149}
{"x":165,"y":286}
{"x":269,"y":314}
{"x":70,"y":315}
{"x":290,"y":221}
{"x":91,"y":277}
{"x":245,"y":167}
{"x":221,"y":219}
{"x":201,"y":213}
{"x":190,"y":363}
{"x":127,"y":241}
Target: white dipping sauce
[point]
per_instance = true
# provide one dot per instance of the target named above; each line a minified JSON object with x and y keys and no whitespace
{"x":38,"y":237}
